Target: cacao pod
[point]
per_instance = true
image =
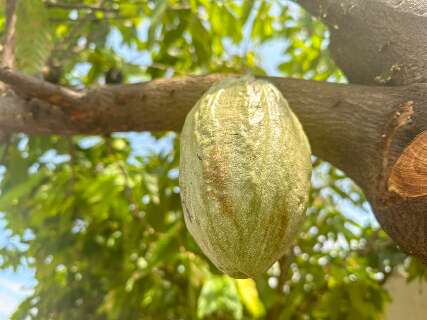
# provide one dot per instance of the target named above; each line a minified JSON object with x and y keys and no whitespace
{"x":245,"y":172}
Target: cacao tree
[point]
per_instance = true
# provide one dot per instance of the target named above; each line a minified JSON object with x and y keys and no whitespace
{"x":93,"y":207}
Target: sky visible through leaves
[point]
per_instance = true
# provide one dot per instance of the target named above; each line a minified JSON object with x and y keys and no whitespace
{"x":334,"y":260}
{"x":14,"y":286}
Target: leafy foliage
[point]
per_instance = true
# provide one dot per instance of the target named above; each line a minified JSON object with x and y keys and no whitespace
{"x":33,"y":36}
{"x":99,"y":218}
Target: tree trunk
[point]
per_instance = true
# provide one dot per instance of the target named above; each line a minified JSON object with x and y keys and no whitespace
{"x":362,"y":128}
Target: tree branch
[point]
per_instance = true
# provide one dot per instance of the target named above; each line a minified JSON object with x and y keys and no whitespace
{"x":78,"y":6}
{"x":37,"y":88}
{"x":385,"y":42}
{"x":93,"y":19}
{"x":64,"y":49}
{"x":332,"y":114}
{"x":344,"y":123}
{"x":6,"y":146}
{"x":376,"y":41}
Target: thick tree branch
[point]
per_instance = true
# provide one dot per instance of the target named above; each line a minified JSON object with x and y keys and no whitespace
{"x":347,"y":125}
{"x":385,"y":42}
{"x":376,"y":41}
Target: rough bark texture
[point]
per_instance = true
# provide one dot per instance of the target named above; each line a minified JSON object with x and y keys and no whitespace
{"x":362,"y":129}
{"x":385,"y":42}
{"x":376,"y":41}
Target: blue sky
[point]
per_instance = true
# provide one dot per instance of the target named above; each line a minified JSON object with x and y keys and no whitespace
{"x":15,"y":286}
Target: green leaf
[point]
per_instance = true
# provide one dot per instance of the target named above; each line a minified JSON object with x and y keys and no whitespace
{"x":13,"y":196}
{"x":103,"y":231}
{"x":219,"y":299}
{"x":246,"y":10}
{"x":33,"y":36}
{"x":158,"y":11}
{"x":157,"y":14}
{"x":165,"y":246}
{"x":201,"y":39}
{"x":249,"y":295}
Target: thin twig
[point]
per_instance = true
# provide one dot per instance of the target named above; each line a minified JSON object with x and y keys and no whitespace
{"x":9,"y":42}
{"x":135,"y":208}
{"x":73,"y":179}
{"x":73,"y":161}
{"x":5,"y":150}
{"x":92,"y":19}
{"x":66,"y":46}
{"x":284,"y":264}
{"x":77,"y":6}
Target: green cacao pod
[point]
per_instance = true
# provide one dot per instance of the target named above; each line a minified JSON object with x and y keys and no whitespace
{"x":245,"y":172}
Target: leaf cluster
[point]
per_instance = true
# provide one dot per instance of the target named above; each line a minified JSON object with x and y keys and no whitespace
{"x":99,"y":218}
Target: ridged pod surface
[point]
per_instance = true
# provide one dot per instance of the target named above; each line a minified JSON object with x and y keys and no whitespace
{"x":245,"y":172}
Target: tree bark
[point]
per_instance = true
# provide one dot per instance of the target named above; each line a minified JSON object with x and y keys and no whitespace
{"x":385,"y":42}
{"x":352,"y":126}
{"x":8,"y":54}
{"x":361,"y":129}
{"x":376,"y":42}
